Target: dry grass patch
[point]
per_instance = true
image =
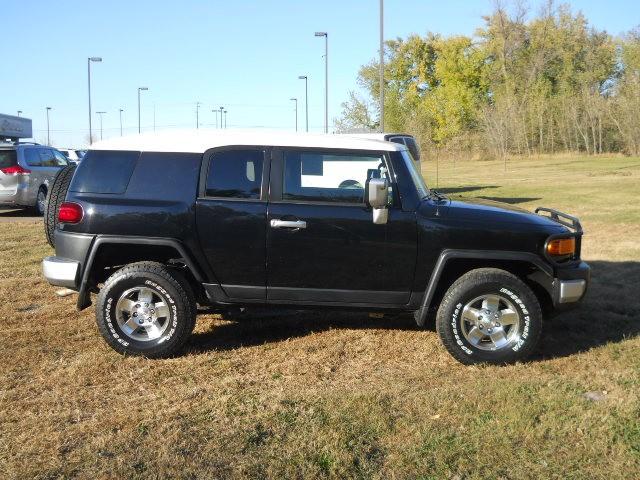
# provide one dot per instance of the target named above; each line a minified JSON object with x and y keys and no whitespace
{"x":328,"y":394}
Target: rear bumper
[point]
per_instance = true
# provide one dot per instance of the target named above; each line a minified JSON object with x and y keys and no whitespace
{"x":61,"y":272}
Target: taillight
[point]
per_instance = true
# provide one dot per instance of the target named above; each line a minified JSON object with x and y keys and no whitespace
{"x":15,"y":170}
{"x":70,"y":212}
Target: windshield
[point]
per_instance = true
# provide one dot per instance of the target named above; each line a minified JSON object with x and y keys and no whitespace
{"x":416,"y":176}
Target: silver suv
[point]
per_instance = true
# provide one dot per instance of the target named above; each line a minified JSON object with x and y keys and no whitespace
{"x":26,"y":171}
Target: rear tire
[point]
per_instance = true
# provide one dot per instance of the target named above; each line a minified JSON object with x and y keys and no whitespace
{"x":57,"y":194}
{"x":489,"y":316}
{"x":146,"y":309}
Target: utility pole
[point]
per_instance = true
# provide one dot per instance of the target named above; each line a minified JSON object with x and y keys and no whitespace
{"x":381,"y":65}
{"x":296,"y":108}
{"x":89,"y":60}
{"x":121,"y":110}
{"x":326,"y":79}
{"x":48,"y":137}
{"x":140,"y":89}
{"x":101,"y":113}
{"x":197,"y":114}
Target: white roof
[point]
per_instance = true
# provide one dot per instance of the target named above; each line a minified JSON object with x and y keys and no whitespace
{"x":201,"y":140}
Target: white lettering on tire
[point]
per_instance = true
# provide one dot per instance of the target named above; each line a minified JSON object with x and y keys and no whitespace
{"x":526,"y":317}
{"x":454,"y":328}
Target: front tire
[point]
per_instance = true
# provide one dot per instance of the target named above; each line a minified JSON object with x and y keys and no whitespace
{"x":146,"y":309}
{"x":489,"y":316}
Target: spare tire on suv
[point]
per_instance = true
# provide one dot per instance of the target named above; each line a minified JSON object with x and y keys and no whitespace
{"x":57,"y":194}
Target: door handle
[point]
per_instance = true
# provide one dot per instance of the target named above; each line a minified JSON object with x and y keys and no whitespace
{"x":288,"y":223}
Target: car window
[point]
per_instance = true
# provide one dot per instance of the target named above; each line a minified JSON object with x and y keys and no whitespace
{"x":7,"y":158}
{"x":61,"y":160}
{"x":32,"y":157}
{"x":329,"y":177}
{"x":235,"y":174}
{"x":47,"y":157}
{"x":104,"y":171}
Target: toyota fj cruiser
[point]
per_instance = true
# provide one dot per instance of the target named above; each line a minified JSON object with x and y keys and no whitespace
{"x":158,"y":224}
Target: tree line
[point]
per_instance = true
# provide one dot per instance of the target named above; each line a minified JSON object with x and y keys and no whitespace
{"x":521,"y":85}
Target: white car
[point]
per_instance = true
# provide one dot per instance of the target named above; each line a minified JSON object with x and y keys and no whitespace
{"x":74,"y":156}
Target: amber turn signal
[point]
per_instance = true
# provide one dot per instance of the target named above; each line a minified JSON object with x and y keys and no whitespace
{"x":561,"y":246}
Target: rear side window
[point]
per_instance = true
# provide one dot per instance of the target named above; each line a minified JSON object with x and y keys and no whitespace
{"x":7,"y":158}
{"x":104,"y":172}
{"x":235,"y":174}
{"x":32,"y":157}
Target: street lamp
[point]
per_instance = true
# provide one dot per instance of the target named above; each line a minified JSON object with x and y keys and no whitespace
{"x":121,"y":110}
{"x":197,"y":114}
{"x":213,"y":110}
{"x":326,"y":79}
{"x":221,"y":110}
{"x":381,"y":65}
{"x":306,"y":98}
{"x":48,"y":138}
{"x":140,"y":89}
{"x":19,"y":112}
{"x":101,"y":113}
{"x":89,"y":60}
{"x":296,"y":108}
{"x":225,"y":119}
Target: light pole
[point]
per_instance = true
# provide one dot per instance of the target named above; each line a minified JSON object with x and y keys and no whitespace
{"x":221,"y":110}
{"x":139,"y":90}
{"x":306,"y":99}
{"x":48,"y":138}
{"x":296,"y":108}
{"x":101,"y":113}
{"x":381,"y":65}
{"x":326,"y":79}
{"x":89,"y":60}
{"x":19,"y":112}
{"x":121,"y":110}
{"x":197,"y":114}
{"x":225,"y":119}
{"x":213,"y":110}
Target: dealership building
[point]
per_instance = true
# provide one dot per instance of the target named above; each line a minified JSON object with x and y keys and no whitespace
{"x":13,"y":128}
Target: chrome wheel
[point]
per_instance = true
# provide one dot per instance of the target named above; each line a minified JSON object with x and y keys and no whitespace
{"x":142,"y":314}
{"x":490,"y":322}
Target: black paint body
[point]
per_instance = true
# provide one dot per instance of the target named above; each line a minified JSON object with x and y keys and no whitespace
{"x":341,"y":259}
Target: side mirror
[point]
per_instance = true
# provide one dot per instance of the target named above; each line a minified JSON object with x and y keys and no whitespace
{"x":376,"y":196}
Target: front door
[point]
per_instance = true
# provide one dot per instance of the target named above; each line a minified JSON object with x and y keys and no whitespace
{"x":322,"y":244}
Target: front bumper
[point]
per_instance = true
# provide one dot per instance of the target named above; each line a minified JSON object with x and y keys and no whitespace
{"x":570,"y":284}
{"x":61,"y":272}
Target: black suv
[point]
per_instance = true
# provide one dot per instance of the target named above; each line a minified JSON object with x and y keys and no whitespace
{"x":159,"y":224}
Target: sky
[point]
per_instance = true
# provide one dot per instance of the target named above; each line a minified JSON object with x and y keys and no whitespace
{"x":240,"y":54}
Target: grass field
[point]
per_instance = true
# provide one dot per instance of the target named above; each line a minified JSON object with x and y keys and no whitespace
{"x":314,"y":395}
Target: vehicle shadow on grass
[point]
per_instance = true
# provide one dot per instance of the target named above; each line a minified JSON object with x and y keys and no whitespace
{"x":11,"y":212}
{"x":609,"y":313}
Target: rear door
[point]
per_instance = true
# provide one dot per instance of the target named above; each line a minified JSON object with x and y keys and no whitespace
{"x":231,"y":215}
{"x":322,"y":244}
